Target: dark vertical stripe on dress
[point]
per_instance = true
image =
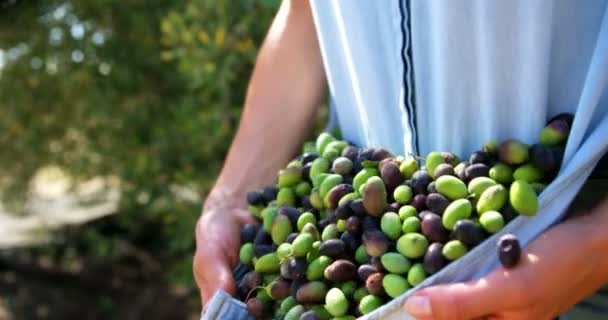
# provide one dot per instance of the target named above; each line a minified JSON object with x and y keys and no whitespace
{"x":412,"y":98}
{"x":408,"y":79}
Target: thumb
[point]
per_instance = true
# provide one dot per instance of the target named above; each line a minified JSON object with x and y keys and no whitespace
{"x":458,"y":301}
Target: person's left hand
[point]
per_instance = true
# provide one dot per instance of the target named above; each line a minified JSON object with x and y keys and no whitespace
{"x":560,"y":268}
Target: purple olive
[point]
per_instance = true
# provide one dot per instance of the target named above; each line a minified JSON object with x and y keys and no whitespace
{"x":375,"y":242}
{"x":443,"y":169}
{"x":391,"y":175}
{"x":350,"y":152}
{"x":262,"y":237}
{"x":332,"y":248}
{"x":255,"y":198}
{"x":433,"y":228}
{"x":420,"y":181}
{"x":353,"y":225}
{"x":270,"y":193}
{"x":419,"y":202}
{"x":366,"y":270}
{"x":468,"y":232}
{"x":565,"y":116}
{"x":249,"y":232}
{"x":431,"y":188}
{"x":256,"y":308}
{"x":370,"y":223}
{"x":437,"y":203}
{"x":350,"y":241}
{"x":476,"y":170}
{"x":480,"y":157}
{"x":509,"y":250}
{"x":344,"y":210}
{"x":433,"y":258}
{"x":358,"y":208}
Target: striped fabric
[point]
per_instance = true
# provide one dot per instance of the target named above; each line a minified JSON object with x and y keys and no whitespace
{"x":417,"y":76}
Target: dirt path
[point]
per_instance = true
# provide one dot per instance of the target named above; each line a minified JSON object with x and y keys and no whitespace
{"x":53,"y":204}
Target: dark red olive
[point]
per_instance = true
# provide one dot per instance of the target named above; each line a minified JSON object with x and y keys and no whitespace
{"x":509,"y":250}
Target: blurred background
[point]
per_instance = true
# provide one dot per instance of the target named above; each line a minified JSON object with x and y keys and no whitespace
{"x":115,"y":116}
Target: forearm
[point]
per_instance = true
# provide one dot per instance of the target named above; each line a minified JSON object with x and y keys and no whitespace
{"x":597,"y":222}
{"x":285,"y":90}
{"x":587,"y":233}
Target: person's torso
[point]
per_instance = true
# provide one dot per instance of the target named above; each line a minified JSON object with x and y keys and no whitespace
{"x":416,"y":76}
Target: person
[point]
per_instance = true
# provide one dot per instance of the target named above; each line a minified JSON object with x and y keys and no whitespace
{"x":417,"y":76}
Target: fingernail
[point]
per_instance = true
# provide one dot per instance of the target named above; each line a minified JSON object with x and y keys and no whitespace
{"x":419,"y":306}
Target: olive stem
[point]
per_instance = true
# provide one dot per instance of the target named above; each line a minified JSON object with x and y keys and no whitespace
{"x":251,"y":291}
{"x":416,"y":157}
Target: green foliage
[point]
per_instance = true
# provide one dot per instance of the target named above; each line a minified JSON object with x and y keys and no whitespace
{"x":145,"y":91}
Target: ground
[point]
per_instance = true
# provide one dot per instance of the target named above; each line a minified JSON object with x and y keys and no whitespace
{"x":33,"y":288}
{"x":29,"y":291}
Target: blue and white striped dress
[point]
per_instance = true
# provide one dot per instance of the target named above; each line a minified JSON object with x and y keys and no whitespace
{"x":422,"y":75}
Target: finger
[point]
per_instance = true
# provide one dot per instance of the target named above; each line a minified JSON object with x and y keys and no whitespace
{"x":246,"y":217}
{"x":216,"y":275}
{"x":459,"y":301}
{"x":212,"y":275}
{"x":198,"y":276}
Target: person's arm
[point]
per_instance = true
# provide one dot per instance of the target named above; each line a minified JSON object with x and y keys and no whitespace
{"x":284,"y":93}
{"x":560,"y":268}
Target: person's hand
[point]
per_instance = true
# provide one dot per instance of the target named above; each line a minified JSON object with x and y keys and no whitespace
{"x":560,"y":268}
{"x":217,"y":249}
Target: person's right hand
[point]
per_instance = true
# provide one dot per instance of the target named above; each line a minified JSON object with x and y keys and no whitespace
{"x":217,"y":250}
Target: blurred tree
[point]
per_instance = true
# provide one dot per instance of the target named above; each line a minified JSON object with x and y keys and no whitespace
{"x":146,"y":91}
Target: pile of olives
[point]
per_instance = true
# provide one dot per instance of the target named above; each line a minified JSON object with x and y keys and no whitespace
{"x":344,"y":230}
